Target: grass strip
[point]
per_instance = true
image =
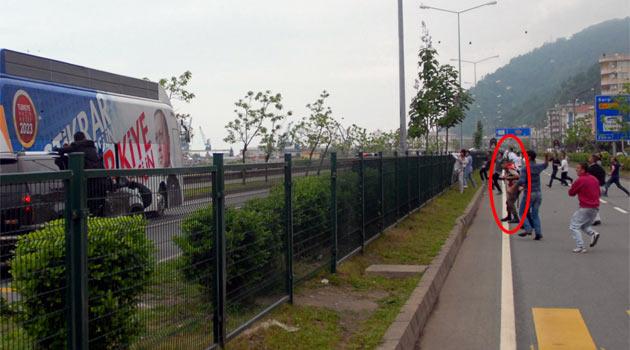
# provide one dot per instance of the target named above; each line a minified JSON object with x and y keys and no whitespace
{"x":415,"y":240}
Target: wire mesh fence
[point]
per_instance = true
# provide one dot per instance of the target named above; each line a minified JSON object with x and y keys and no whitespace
{"x":186,"y":258}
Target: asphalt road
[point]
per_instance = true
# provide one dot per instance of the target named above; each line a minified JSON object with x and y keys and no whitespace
{"x":561,"y":300}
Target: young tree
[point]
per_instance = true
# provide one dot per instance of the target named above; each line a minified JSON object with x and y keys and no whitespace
{"x":318,"y":129}
{"x":271,"y":140}
{"x":580,"y":135}
{"x":454,"y":101}
{"x":254,"y":113}
{"x":478,"y":135}
{"x":176,"y":89}
{"x":425,"y":106}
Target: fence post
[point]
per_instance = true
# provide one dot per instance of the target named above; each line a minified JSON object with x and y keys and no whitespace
{"x":362,"y":179}
{"x":408,"y":179}
{"x":396,"y":184}
{"x":381,"y":185}
{"x":218,"y":207}
{"x":288,"y":222}
{"x":333,"y":210}
{"x":418,"y":178}
{"x":76,"y":250}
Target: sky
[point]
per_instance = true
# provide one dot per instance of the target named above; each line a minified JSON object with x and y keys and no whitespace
{"x":295,"y":47}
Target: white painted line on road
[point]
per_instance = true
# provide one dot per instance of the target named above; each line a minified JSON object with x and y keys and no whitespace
{"x":603,"y":201}
{"x":170,"y":258}
{"x":621,"y":210}
{"x":508,"y":323}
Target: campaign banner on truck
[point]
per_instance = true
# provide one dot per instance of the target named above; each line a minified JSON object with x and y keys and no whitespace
{"x":41,"y":117}
{"x":611,"y":123}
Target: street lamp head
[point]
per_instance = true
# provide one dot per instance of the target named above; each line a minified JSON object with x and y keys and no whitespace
{"x":424,"y":7}
{"x":491,"y":3}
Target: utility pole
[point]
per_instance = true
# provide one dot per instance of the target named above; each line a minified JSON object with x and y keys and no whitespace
{"x":401,"y":79}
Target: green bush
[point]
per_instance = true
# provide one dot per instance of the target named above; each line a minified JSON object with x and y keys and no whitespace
{"x":254,"y":234}
{"x":606,"y":157}
{"x":253,"y":241}
{"x":120,"y":262}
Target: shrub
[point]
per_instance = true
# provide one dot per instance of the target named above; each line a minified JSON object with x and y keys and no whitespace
{"x":253,"y":241}
{"x":606,"y":157}
{"x":120,"y":262}
{"x":254,"y":234}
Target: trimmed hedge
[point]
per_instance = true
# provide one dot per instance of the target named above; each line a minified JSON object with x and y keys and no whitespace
{"x":120,"y":263}
{"x":255,"y":232}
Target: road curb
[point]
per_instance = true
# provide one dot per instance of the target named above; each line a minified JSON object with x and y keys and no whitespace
{"x":408,"y":325}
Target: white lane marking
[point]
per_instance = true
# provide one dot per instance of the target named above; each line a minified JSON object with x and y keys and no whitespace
{"x":170,"y":258}
{"x":508,"y":323}
{"x":621,"y":210}
{"x":603,"y":201}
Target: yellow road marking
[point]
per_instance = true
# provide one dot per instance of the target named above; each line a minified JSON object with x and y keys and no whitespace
{"x":561,"y":329}
{"x":628,"y":312}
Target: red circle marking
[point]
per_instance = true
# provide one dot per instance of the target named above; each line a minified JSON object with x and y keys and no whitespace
{"x":529,"y":184}
{"x":24,"y":118}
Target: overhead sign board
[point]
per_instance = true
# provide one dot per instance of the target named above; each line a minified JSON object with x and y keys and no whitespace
{"x":610,"y":124}
{"x":523,"y":132}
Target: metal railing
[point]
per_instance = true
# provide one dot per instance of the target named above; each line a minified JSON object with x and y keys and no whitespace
{"x":187,"y":258}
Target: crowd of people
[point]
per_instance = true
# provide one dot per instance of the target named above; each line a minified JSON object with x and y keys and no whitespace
{"x":590,"y":184}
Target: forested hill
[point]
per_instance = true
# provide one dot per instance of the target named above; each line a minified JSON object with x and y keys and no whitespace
{"x":520,"y":92}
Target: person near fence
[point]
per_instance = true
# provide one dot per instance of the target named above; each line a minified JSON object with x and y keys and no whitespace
{"x":587,"y":189}
{"x":615,"y":166}
{"x":555,"y":166}
{"x":483,"y":171}
{"x":96,"y":187}
{"x":469,"y":169}
{"x":460,"y":165}
{"x":564,"y":170}
{"x":511,"y":177}
{"x":498,"y":169}
{"x":595,"y":168}
{"x":532,"y":222}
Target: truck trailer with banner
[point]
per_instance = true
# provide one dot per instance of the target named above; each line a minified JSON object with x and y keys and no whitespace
{"x":44,"y":103}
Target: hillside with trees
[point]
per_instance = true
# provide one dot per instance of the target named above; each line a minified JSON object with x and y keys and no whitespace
{"x":520,"y":92}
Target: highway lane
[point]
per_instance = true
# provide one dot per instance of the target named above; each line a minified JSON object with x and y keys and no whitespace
{"x":579,"y":300}
{"x":549,"y":275}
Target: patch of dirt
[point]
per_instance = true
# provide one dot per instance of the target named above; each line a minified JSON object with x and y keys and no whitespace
{"x":352,"y":307}
{"x":340,"y":299}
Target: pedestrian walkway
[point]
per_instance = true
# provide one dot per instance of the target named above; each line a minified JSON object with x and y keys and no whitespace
{"x":561,"y":300}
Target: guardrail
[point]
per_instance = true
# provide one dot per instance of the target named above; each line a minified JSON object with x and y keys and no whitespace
{"x":150,"y":258}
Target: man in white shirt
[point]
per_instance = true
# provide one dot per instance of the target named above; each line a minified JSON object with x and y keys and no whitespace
{"x":564,"y":170}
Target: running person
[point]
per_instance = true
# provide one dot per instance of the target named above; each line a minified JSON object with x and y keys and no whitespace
{"x":614,"y":177}
{"x":586,"y":187}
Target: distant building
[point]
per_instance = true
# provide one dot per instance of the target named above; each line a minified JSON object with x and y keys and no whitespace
{"x":561,"y":117}
{"x":615,"y":71}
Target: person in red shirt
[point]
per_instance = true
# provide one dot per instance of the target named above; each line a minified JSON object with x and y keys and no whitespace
{"x":586,"y":187}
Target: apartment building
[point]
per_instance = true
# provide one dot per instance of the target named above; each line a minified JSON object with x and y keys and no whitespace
{"x":615,"y":71}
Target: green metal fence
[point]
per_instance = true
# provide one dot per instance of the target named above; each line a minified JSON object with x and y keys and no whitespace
{"x":186,"y":258}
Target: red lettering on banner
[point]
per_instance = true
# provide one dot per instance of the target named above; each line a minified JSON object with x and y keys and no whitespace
{"x":136,"y":139}
{"x":122,"y":154}
{"x":150,"y":160}
{"x":145,"y":130}
{"x":133,"y":156}
{"x":109,"y":160}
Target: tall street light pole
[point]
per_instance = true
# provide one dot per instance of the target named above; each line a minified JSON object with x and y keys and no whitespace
{"x":459,"y":47}
{"x":474,"y":63}
{"x":401,"y":80}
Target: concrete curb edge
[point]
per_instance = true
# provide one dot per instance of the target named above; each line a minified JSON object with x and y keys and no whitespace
{"x":404,"y":332}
